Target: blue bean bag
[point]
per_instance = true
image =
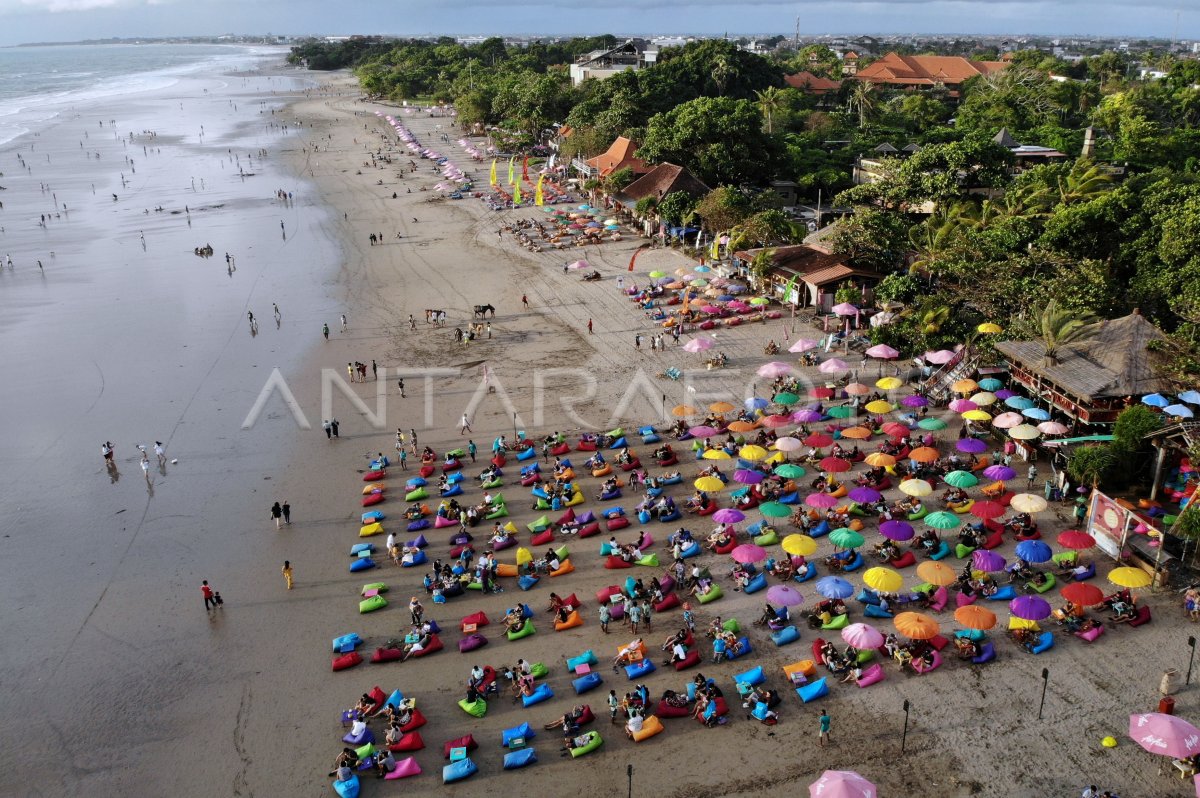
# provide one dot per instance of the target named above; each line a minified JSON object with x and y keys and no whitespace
{"x":874,"y":611}
{"x":540,"y":694}
{"x":589,"y":681}
{"x":347,"y":789}
{"x":415,"y":482}
{"x":418,"y":559}
{"x":812,"y":572}
{"x":789,"y":498}
{"x":692,"y":550}
{"x":636,"y":670}
{"x":674,"y":515}
{"x":453,"y":490}
{"x":418,"y":525}
{"x":528,"y":453}
{"x":363,"y":564}
{"x":359,"y":548}
{"x":788,"y":634}
{"x":643,"y":516}
{"x":619,"y":443}
{"x":751,"y":677}
{"x":813,"y":690}
{"x":744,"y":649}
{"x":976,"y":635}
{"x":1045,"y":643}
{"x":586,"y":658}
{"x":527,"y":582}
{"x":854,"y":564}
{"x":524,"y":732}
{"x":943,"y":551}
{"x":455,"y":478}
{"x":520,"y":758}
{"x":372,"y":517}
{"x":347,"y":643}
{"x":676,"y":479}
{"x":457,"y":771}
{"x":1006,"y":593}
{"x":867,"y":596}
{"x":757,"y":583}
{"x":819,"y":530}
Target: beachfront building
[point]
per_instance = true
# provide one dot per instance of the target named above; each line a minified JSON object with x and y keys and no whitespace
{"x":805,"y":275}
{"x":1093,"y":380}
{"x":933,"y":73}
{"x":812,"y":84}
{"x":601,"y":64}
{"x":619,"y":155}
{"x":664,"y":179}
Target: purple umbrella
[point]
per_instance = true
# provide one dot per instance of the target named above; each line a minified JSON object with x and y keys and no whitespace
{"x":748,"y":552}
{"x":865,"y":495}
{"x":1031,"y":608}
{"x":1004,"y":393}
{"x":748,"y":476}
{"x":914,"y":401}
{"x":806,"y":416}
{"x":1000,"y":473}
{"x":971,"y":445}
{"x":728,"y":515}
{"x":1034,"y":551}
{"x":963,"y":405}
{"x":784,"y":595}
{"x":821,"y":501}
{"x":985,"y":560}
{"x":703,"y":431}
{"x":896,"y":530}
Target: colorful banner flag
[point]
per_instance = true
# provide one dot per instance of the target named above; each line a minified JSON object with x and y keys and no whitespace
{"x":538,"y":198}
{"x":511,"y":173}
{"x":525,"y":169}
{"x":517,"y":194}
{"x":493,"y":178}
{"x":637,"y":252}
{"x":715,"y":251}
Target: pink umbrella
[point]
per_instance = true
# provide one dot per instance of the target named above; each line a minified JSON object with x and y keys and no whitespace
{"x":940,"y":357}
{"x":806,"y":416}
{"x":776,"y":421}
{"x":803,"y":345}
{"x":784,"y":595}
{"x":882,"y":351}
{"x":748,"y":552}
{"x":1167,"y":735}
{"x":862,"y":636}
{"x":963,"y":405}
{"x":845,"y":309}
{"x":698,"y":345}
{"x":821,"y":501}
{"x":1007,"y":420}
{"x":711,"y":309}
{"x":832,"y":366}
{"x":703,"y":431}
{"x":841,"y":784}
{"x":773,"y":369}
{"x":728,"y":515}
{"x":1052,"y":428}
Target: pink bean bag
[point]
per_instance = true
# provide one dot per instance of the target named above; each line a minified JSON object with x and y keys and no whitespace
{"x":404,"y":768}
{"x":871,"y":675}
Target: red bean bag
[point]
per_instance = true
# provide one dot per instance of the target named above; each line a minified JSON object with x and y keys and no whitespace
{"x":587,"y":530}
{"x":347,"y":661}
{"x":466,"y":741}
{"x":458,"y":550}
{"x":938,"y":642}
{"x":382,"y":655}
{"x":670,"y":601}
{"x":435,"y":644}
{"x":994,"y":540}
{"x":409,"y":742}
{"x":566,"y":518}
{"x":635,"y":463}
{"x":692,"y":658}
{"x":904,"y":560}
{"x":665,"y":710}
{"x":451,"y":465}
{"x":573,"y":600}
{"x":416,"y":722}
{"x":722,"y":708}
{"x":371,"y":476}
{"x":708,"y":509}
{"x":542,"y":538}
{"x":614,"y":563}
{"x":586,"y":716}
{"x":426,"y":471}
{"x":530,"y":479}
{"x":561,"y":449}
{"x":728,"y":547}
{"x":619,"y":522}
{"x":498,"y":461}
{"x":670,"y":461}
{"x":606,"y":593}
{"x":478,"y":618}
{"x":707,"y":324}
{"x":370,"y":499}
{"x":586,"y":446}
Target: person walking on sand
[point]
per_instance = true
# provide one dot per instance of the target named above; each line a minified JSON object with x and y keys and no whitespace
{"x":350,"y":371}
{"x":400,"y":385}
{"x":277,"y":514}
{"x":412,"y":322}
{"x":403,"y":455}
{"x":145,"y":465}
{"x":328,"y":429}
{"x":374,"y":370}
{"x":1031,"y":476}
{"x":325,"y":331}
{"x":825,"y":723}
{"x":287,"y":573}
{"x":412,"y":436}
{"x":489,"y":329}
{"x":472,"y":449}
{"x":343,"y":322}
{"x":637,"y":342}
{"x":334,"y":424}
{"x":278,"y":315}
{"x":466,"y":425}
{"x":590,"y":327}
{"x":210,"y":600}
{"x":287,"y":513}
{"x":160,"y":453}
{"x":525,"y":301}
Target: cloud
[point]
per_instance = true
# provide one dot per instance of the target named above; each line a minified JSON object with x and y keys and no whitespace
{"x":74,"y":6}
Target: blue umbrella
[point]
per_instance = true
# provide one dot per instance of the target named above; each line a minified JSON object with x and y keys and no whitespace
{"x":1156,"y":400}
{"x":1018,"y":402}
{"x":991,"y":384}
{"x":1191,"y":397}
{"x":1036,"y":413}
{"x":756,"y":403}
{"x":1032,"y":551}
{"x":1177,"y":410}
{"x":834,"y":587}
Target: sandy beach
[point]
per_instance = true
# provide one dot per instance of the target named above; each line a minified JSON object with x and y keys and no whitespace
{"x":150,"y":695}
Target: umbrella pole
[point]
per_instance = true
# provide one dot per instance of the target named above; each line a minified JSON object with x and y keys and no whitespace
{"x":1045,"y":683}
{"x":904,"y":735}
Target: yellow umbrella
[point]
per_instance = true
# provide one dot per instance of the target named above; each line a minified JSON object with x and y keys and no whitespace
{"x":720,"y":407}
{"x":977,"y":415}
{"x":1126,"y":576}
{"x":916,"y":487}
{"x":885,"y":580}
{"x":680,"y":411}
{"x":716,"y":454}
{"x":879,"y":406}
{"x":937,"y":573}
{"x":880,"y":460}
{"x":965,"y":386}
{"x":916,"y":625}
{"x":889,"y":383}
{"x":1024,"y":432}
{"x":983,"y":399}
{"x":709,"y":484}
{"x":988,"y":328}
{"x":1027,"y":503}
{"x":752,"y":452}
{"x":801,"y":545}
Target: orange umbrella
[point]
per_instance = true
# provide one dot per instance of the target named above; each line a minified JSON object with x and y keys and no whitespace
{"x":880,"y":460}
{"x":681,"y":411}
{"x":856,"y":433}
{"x":857,"y":389}
{"x":924,"y":454}
{"x":742,"y":426}
{"x":974,"y":617}
{"x":965,"y":386}
{"x":720,"y":407}
{"x":916,"y":625}
{"x":937,"y":573}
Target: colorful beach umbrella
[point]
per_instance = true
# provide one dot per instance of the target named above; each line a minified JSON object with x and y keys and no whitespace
{"x":822,"y":501}
{"x":803,"y":345}
{"x":786,"y":398}
{"x":1052,"y":428}
{"x":1127,"y":576}
{"x":882,"y":352}
{"x":1000,"y":473}
{"x":1033,"y":551}
{"x":748,"y":476}
{"x":1019,"y":402}
{"x":835,"y":465}
{"x":716,"y":454}
{"x":915,"y":400}
{"x":884,"y":580}
{"x":856,"y":433}
{"x":774,"y":510}
{"x":784,"y":595}
{"x":888,"y":383}
{"x":727,"y":515}
{"x":916,"y":625}
{"x":977,"y":415}
{"x":895,"y":429}
{"x":984,"y":398}
{"x":971,"y":445}
{"x":1028,"y":503}
{"x":1023,"y":432}
{"x":961,"y":479}
{"x":806,"y":416}
{"x":939,"y":358}
{"x":834,"y":587}
{"x":703,"y":431}
{"x":788,"y":444}
{"x":818,"y":440}
{"x":965,"y":386}
{"x":991,"y":384}
{"x":1177,"y":410}
{"x":923,"y":454}
{"x":1166,"y":735}
{"x":879,"y":406}
{"x":742,"y":426}
{"x":841,"y":784}
{"x":799,"y":545}
{"x":1036,"y":413}
{"x":931,"y":424}
{"x":841,"y":411}
{"x":833,"y":366}
{"x":753,"y":452}
{"x":963,"y":405}
{"x":987,"y":509}
{"x":857,"y":389}
{"x":915,"y":487}
{"x":748,"y":553}
{"x":1083,"y":594}
{"x":864,"y":495}
{"x":862,"y":636}
{"x":1030,"y":608}
{"x":773,"y":369}
{"x":897,"y":530}
{"x":1074,"y":539}
{"x":709,"y":485}
{"x":937,"y":573}
{"x":942,"y":519}
{"x":1155,"y":400}
{"x":683,"y":411}
{"x":846,"y":538}
{"x":987,"y":560}
{"x":789,"y":471}
{"x":975,"y":617}
{"x":698,"y":345}
{"x":880,"y":460}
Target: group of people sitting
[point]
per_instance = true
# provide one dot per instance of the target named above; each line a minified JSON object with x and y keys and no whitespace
{"x":825,"y":611}
{"x":910,"y":653}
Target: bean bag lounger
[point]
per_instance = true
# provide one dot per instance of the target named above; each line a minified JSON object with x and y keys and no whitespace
{"x":752,"y":677}
{"x":631,"y":465}
{"x":477,"y":708}
{"x":346,"y":643}
{"x":728,"y":547}
{"x":471,"y":642}
{"x":602,"y":471}
{"x":938,"y":602}
{"x":541,"y":693}
{"x":1021,"y":623}
{"x":987,"y":653}
{"x":540,"y":525}
{"x":712,"y":595}
{"x":522,"y":732}
{"x":404,"y":768}
{"x":506,"y":568}
{"x":366,"y":736}
{"x":586,"y":658}
{"x":811,"y":574}
{"x":571,"y":622}
{"x":650,"y":727}
{"x":528,"y":480}
{"x":837,"y":622}
{"x":441,"y":522}
{"x":383,"y":655}
{"x":457,"y":771}
{"x":708,"y":509}
{"x":362,"y":564}
{"x":585,"y":446}
{"x":757,"y":583}
{"x":527,"y":582}
{"x":435,"y":644}
{"x":374,"y":498}
{"x":426,"y":470}
{"x":614,"y":563}
{"x":372,"y":516}
{"x":348,"y":788}
{"x":744,"y":648}
{"x":648,"y":560}
{"x":419,"y":524}
{"x":720,"y":709}
{"x":341,"y":663}
{"x":525,"y":631}
{"x":1091,"y":634}
{"x":500,"y":512}
{"x":871,"y":675}
{"x":813,"y":690}
{"x":1142,"y":617}
{"x":665,"y":710}
{"x":922,"y":669}
{"x":962,"y":551}
{"x":942,"y":552}
{"x":589,"y":681}
{"x":367,"y":530}
{"x":788,"y":634}
{"x":372,"y":476}
{"x":371,"y":604}
{"x":692,"y":550}
{"x":689,"y":660}
{"x":1045,"y":643}
{"x":418,"y":559}
{"x":769,"y":539}
{"x":528,"y":453}
{"x":963,"y":600}
{"x":561,"y":449}
{"x":416,"y":495}
{"x":616,"y":522}
{"x":409,"y":742}
{"x":1042,"y":588}
{"x":994,"y":540}
{"x":415,"y":722}
{"x":453,"y":490}
{"x":1084,"y":575}
{"x":670,"y":601}
{"x":467,"y":741}
{"x":1006,"y":593}
{"x":904,"y":560}
{"x":566,"y":567}
{"x":874,"y":611}
{"x":594,"y":741}
{"x":520,"y":758}
{"x":542,"y":538}
{"x":636,"y":670}
{"x":867,"y":596}
{"x":917,"y":516}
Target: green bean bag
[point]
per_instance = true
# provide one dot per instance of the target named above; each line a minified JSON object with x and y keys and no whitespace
{"x":495,"y":483}
{"x":839,"y":622}
{"x":962,"y":551}
{"x":732,"y":625}
{"x":713,"y":594}
{"x":541,"y":504}
{"x":456,"y":453}
{"x":477,"y":708}
{"x":371,"y":604}
{"x":417,"y":494}
{"x":525,"y":631}
{"x":501,"y":513}
{"x":1064,"y":557}
{"x":563,"y":553}
{"x":378,"y":587}
{"x":1049,"y":583}
{"x":538,"y":670}
{"x":540,"y":525}
{"x":594,"y":742}
{"x":649,"y":560}
{"x":768,"y":539}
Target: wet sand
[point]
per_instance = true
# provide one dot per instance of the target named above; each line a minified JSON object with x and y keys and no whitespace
{"x":117,"y":672}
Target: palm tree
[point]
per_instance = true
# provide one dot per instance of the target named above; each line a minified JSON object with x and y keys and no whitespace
{"x":932,"y":237}
{"x":1061,"y":326}
{"x":863,"y":98}
{"x":722,"y":71}
{"x":770,"y":101}
{"x":1084,"y":182}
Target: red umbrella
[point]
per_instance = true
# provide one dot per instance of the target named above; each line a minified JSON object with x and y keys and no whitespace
{"x":1083,"y":594}
{"x":819,"y":439}
{"x":1074,"y":539}
{"x":896,"y":429}
{"x":821,"y":500}
{"x":776,"y":421}
{"x":822,"y":393}
{"x":835,"y":465}
{"x":986,"y":510}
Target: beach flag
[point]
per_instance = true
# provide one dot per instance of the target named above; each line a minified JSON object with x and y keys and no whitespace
{"x":511,"y":174}
{"x":525,"y":169}
{"x":517,"y":193}
{"x":687,"y":300}
{"x":493,"y":179}
{"x":715,"y":251}
{"x":538,"y":198}
{"x":787,"y":289}
{"x":637,"y":252}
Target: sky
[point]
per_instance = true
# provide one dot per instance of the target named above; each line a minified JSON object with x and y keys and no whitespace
{"x":72,"y":20}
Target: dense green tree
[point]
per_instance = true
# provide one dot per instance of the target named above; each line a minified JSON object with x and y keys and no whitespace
{"x":677,"y":208}
{"x":872,"y":238}
{"x":720,"y":139}
{"x":723,"y":208}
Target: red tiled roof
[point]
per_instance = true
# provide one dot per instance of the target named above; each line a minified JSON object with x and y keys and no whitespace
{"x":812,"y":84}
{"x":619,"y":155}
{"x":926,"y":70}
{"x":664,"y":179}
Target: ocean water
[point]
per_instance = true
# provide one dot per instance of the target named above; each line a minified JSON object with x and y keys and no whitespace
{"x":39,"y":84}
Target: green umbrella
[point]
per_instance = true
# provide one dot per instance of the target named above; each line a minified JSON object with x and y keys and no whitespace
{"x":841,"y":411}
{"x":786,"y":398}
{"x":942,"y":520}
{"x":931,"y":424}
{"x":760,"y":301}
{"x":698,"y":283}
{"x":961,"y":479}
{"x":846,"y":538}
{"x":656,"y":274}
{"x":788,"y":471}
{"x":774,"y":510}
